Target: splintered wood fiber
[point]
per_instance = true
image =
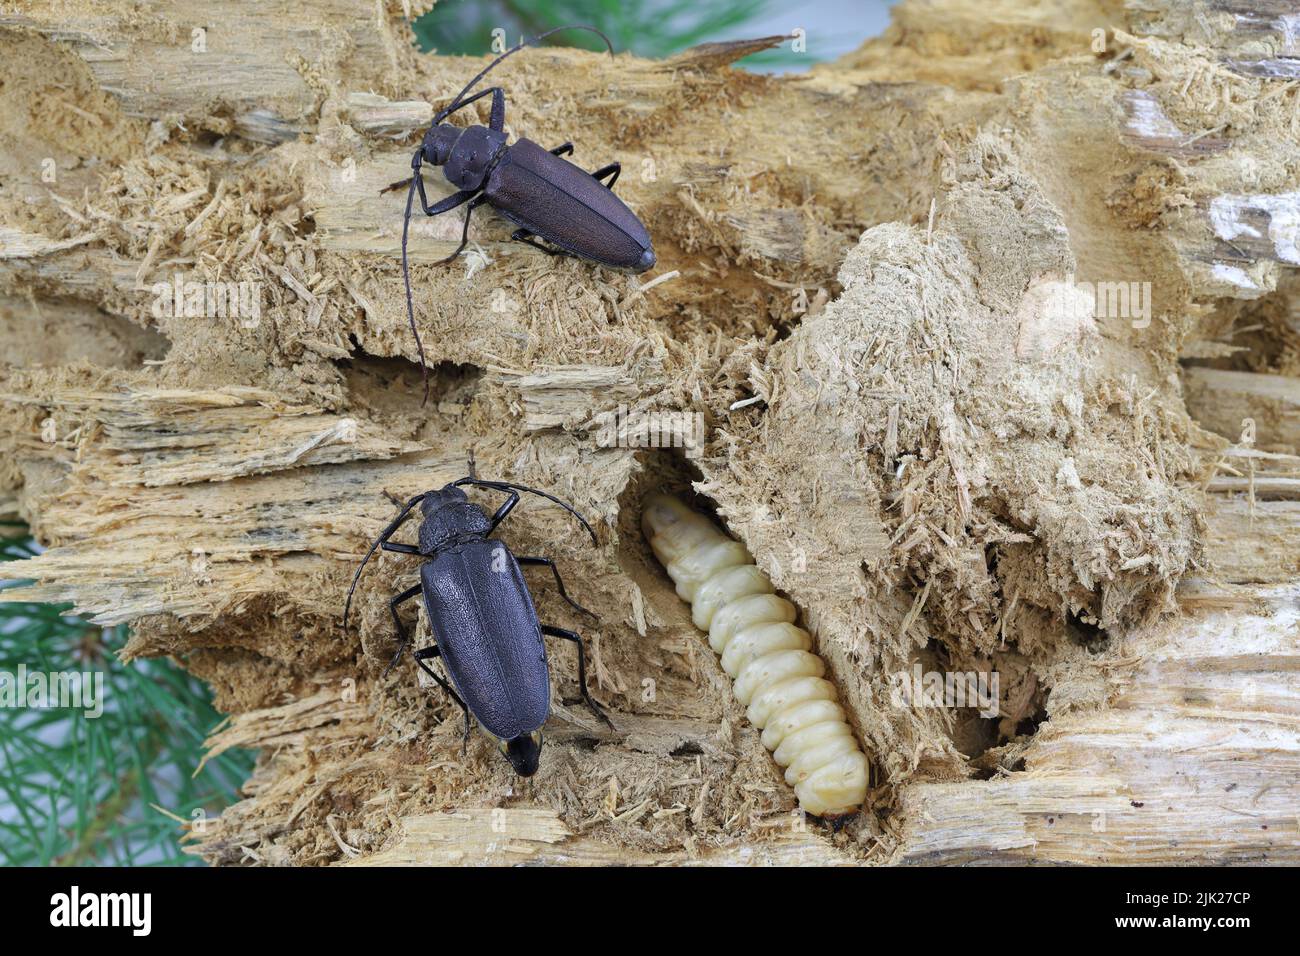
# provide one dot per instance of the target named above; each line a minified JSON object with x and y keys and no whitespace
{"x":858,"y":299}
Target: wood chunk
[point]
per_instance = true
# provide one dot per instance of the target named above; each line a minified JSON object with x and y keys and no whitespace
{"x":1223,"y":400}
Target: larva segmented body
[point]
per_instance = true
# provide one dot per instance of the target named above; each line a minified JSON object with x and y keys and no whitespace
{"x":768,"y":657}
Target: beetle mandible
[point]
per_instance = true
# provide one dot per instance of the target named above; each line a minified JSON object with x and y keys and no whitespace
{"x":546,"y":196}
{"x":484,"y":624}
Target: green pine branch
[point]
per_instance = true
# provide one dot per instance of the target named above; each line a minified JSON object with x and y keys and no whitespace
{"x":649,"y":28}
{"x":77,"y":789}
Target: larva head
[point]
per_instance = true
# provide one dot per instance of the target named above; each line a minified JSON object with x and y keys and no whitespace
{"x":524,"y":752}
{"x":658,"y":511}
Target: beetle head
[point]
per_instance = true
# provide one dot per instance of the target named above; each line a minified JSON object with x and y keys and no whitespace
{"x":524,"y":752}
{"x":437,"y":500}
{"x":438,"y":143}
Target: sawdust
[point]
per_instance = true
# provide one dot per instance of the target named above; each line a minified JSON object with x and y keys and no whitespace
{"x":939,"y":484}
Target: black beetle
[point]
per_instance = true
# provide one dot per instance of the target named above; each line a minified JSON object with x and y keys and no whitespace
{"x":546,"y":196}
{"x":484,"y":624}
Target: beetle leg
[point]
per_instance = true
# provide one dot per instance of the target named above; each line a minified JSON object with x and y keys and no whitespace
{"x":497,"y":117}
{"x":504,"y":510}
{"x":559,"y":582}
{"x":403,"y":638}
{"x":552,"y":631}
{"x":395,"y":546}
{"x":564,"y":149}
{"x":446,"y":204}
{"x":612,"y":170}
{"x":428,"y":654}
{"x":526,"y":237}
{"x":464,"y":233}
{"x":382,"y":539}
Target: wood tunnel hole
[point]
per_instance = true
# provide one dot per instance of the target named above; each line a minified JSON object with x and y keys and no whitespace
{"x":670,"y":471}
{"x":1262,"y":332}
{"x":67,"y":329}
{"x":389,"y":384}
{"x":991,"y":742}
{"x":665,"y":470}
{"x":1084,"y":631}
{"x":583,"y":742}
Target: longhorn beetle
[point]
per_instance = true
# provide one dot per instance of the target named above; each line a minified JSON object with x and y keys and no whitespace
{"x":546,"y":196}
{"x":484,"y":624}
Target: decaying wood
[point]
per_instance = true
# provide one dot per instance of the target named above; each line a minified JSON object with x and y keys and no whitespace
{"x":1254,"y":544}
{"x":874,"y":296}
{"x":242,"y":67}
{"x":1226,"y":401}
{"x":538,"y":837}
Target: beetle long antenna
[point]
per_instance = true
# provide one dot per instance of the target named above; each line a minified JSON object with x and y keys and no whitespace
{"x":442,"y":114}
{"x":511,"y":486}
{"x":383,"y":536}
{"x":406,"y":277}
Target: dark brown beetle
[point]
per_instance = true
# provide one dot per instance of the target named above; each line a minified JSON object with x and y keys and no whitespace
{"x":485,"y":626}
{"x":547,"y":197}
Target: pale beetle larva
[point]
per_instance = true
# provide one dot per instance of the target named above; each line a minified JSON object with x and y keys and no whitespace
{"x":769,"y":658}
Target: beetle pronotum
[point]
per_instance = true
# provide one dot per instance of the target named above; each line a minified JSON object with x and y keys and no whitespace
{"x":775,"y":674}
